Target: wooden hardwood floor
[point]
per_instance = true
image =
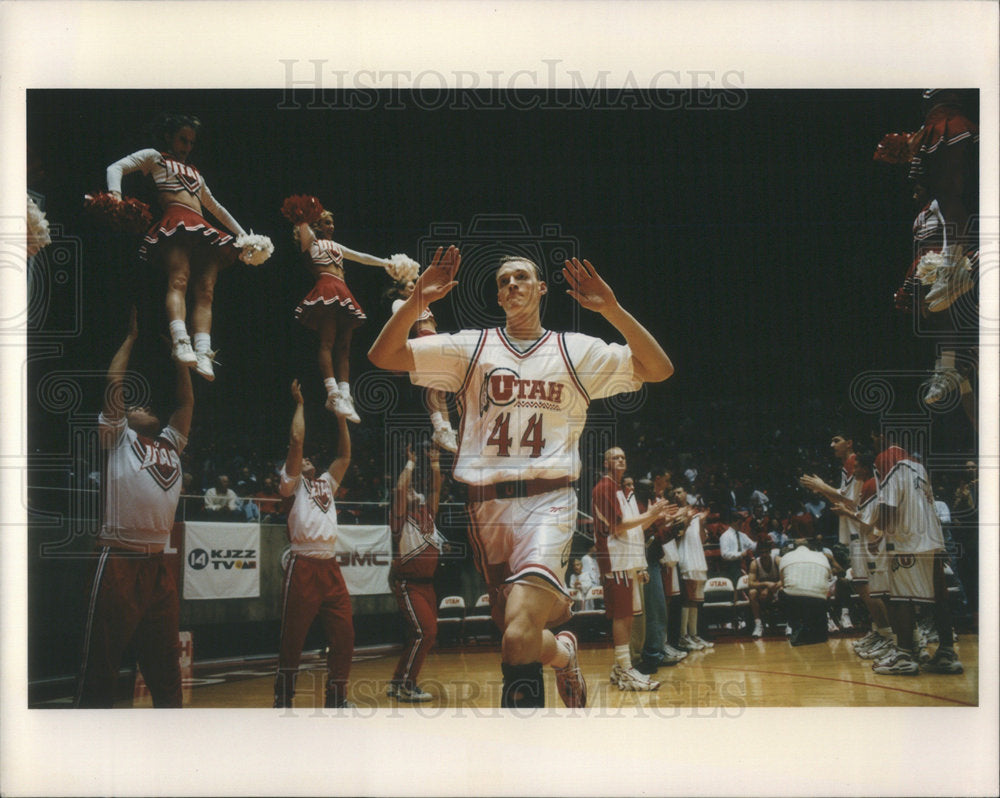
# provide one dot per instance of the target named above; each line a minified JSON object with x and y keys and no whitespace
{"x":738,"y":673}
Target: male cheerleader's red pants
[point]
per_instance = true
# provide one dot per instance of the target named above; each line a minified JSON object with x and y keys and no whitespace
{"x":314,"y":587}
{"x":132,"y":598}
{"x":418,"y":604}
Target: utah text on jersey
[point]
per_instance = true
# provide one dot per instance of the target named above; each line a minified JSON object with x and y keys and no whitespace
{"x":159,"y":458}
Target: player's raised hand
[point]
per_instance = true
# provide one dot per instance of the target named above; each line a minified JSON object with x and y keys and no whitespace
{"x":587,"y":287}
{"x":296,"y":392}
{"x":438,"y":278}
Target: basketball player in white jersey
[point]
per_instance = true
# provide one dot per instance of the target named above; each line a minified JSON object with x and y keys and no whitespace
{"x":523,"y":393}
{"x":850,"y":532}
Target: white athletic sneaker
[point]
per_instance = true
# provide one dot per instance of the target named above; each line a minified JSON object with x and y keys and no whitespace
{"x":631,"y":679}
{"x":788,"y":630}
{"x":758,"y":629}
{"x":845,"y":619}
{"x":331,"y":402}
{"x":183,"y":353}
{"x":703,"y":642}
{"x":674,"y":653}
{"x":392,"y":689}
{"x":877,"y":649}
{"x":445,"y":438}
{"x":831,"y":626}
{"x":569,"y":679}
{"x":867,"y":640}
{"x":942,"y":383}
{"x":204,"y":367}
{"x":413,"y":694}
{"x":688,"y":643}
{"x":343,"y":406}
{"x":899,"y":664}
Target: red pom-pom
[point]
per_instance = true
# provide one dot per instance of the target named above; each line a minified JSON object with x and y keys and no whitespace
{"x":894,"y":148}
{"x":127,"y":215}
{"x":301,"y":208}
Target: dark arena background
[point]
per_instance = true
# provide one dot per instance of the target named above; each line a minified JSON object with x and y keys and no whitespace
{"x":751,"y":231}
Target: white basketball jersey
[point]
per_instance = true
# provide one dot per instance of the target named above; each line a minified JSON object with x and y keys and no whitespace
{"x":691,"y":549}
{"x":850,"y":489}
{"x":312,"y":522}
{"x":522,"y":412}
{"x":915,"y":527}
{"x":143,"y":484}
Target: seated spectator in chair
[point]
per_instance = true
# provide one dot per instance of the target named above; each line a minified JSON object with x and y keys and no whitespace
{"x":764,"y":583}
{"x":805,"y":578}
{"x":221,"y":501}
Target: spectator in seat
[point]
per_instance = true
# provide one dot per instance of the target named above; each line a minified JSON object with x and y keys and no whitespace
{"x":221,"y":500}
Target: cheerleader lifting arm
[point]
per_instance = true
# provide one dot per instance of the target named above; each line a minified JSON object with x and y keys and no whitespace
{"x":365,"y":258}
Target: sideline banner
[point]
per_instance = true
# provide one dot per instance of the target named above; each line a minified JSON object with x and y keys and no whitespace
{"x":221,"y":561}
{"x":365,"y":554}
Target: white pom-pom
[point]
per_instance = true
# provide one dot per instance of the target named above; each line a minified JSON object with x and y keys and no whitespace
{"x":254,"y":249}
{"x":402,"y":268}
{"x":38,"y":229}
{"x":936,"y":266}
{"x":928,"y":267}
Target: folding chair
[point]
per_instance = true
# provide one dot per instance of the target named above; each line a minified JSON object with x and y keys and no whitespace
{"x":479,"y":622}
{"x":719,"y":600}
{"x":451,"y":619}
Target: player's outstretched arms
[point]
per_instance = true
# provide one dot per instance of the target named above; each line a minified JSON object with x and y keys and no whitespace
{"x":649,"y":362}
{"x":114,"y":404}
{"x":296,"y":434}
{"x":390,"y":350}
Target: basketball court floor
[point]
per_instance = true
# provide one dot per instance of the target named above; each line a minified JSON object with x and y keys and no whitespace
{"x":739,"y":673}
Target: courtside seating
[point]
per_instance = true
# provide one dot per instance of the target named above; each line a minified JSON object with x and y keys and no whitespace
{"x":720,"y":602}
{"x":592,"y":624}
{"x":451,"y":619}
{"x":479,"y":624}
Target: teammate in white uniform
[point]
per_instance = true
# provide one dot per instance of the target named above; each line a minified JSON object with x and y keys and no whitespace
{"x":182,"y":241}
{"x":850,"y":532}
{"x":523,"y":393}
{"x":694,"y":570}
{"x":905,"y":511}
{"x":133,"y":595}
{"x":618,"y":531}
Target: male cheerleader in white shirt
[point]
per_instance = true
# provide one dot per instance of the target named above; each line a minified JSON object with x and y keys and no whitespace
{"x":523,"y":393}
{"x":313,"y":582}
{"x":133,"y":596}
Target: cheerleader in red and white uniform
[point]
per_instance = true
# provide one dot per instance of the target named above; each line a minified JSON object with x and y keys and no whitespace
{"x":436,"y":401}
{"x":331,"y":309}
{"x":182,"y":240}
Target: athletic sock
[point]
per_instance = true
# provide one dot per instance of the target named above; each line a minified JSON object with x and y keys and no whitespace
{"x":523,"y":686}
{"x":693,"y":621}
{"x":344,"y":388}
{"x":331,"y":387}
{"x":178,"y":330}
{"x":563,"y":653}
{"x":202,"y":342}
{"x":685,"y":611}
{"x":623,"y":659}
